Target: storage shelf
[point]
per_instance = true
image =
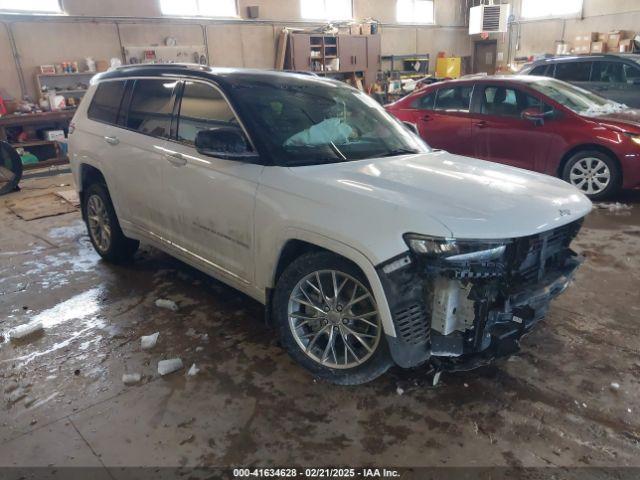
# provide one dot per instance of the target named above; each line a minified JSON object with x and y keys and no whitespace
{"x":33,"y":143}
{"x":77,"y":74}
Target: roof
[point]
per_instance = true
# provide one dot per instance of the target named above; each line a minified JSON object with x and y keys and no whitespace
{"x":604,"y":56}
{"x":490,"y":78}
{"x":228,"y":76}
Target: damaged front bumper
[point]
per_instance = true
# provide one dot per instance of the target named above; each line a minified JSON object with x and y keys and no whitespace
{"x":465,"y":315}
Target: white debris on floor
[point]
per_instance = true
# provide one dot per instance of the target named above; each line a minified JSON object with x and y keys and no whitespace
{"x":400,"y":391}
{"x":193,"y":370}
{"x":166,"y":303}
{"x":131,"y":378}
{"x":613,"y":207}
{"x":147,"y":342}
{"x":166,"y":367}
{"x":22,"y":331}
{"x":615,"y":386}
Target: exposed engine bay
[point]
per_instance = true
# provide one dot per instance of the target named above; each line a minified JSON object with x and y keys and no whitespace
{"x":471,"y":305}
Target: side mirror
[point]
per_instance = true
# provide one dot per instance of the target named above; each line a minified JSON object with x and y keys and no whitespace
{"x":536,"y":116}
{"x":228,"y":143}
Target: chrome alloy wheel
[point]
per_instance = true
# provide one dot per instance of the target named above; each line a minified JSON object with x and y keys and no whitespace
{"x":99,"y":224}
{"x":591,"y":175}
{"x":334,"y":319}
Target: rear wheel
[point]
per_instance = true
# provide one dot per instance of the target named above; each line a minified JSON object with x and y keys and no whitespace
{"x":329,"y":321}
{"x":103,"y":226}
{"x":593,"y":172}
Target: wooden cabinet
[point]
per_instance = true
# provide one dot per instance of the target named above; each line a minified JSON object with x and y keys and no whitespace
{"x":330,"y":54}
{"x":374,"y":59}
{"x":353,"y":53}
{"x":300,"y":52}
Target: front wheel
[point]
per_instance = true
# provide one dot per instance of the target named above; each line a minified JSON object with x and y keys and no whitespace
{"x":593,"y":172}
{"x":329,"y":321}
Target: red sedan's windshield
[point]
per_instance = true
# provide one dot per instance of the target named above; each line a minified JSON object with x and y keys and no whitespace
{"x":577,"y":99}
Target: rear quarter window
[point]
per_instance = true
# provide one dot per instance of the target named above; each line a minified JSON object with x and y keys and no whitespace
{"x":540,"y":70}
{"x":105,"y":103}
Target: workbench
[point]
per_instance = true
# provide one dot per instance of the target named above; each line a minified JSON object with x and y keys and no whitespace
{"x":53,"y":120}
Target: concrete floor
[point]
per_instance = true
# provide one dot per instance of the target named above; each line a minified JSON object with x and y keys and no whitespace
{"x":550,"y":405}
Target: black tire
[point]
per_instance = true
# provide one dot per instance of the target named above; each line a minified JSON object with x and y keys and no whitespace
{"x":580,"y":159}
{"x":11,"y":171}
{"x":374,"y":366}
{"x":119,"y":249}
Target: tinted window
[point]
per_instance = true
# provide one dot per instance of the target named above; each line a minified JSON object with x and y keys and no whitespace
{"x":614,"y":72}
{"x":425,"y":102}
{"x":573,"y":71}
{"x":106,"y":102}
{"x":455,"y":99}
{"x":203,"y":107}
{"x":151,"y":107}
{"x":508,"y":102}
{"x":540,"y":70}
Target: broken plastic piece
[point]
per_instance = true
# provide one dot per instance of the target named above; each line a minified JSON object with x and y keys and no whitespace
{"x":193,"y":370}
{"x":436,"y":377}
{"x":22,"y":331}
{"x":147,"y":342}
{"x":131,"y":378}
{"x":166,"y":367}
{"x":168,"y":304}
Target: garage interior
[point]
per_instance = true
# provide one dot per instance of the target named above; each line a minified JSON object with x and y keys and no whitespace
{"x":569,"y":398}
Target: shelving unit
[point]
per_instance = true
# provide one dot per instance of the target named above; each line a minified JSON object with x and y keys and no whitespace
{"x":351,"y":55}
{"x":65,"y":84}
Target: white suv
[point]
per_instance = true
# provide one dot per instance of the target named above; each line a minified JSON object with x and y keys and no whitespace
{"x":367,"y":247}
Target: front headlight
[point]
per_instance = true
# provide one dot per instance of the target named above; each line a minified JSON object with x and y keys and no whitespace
{"x":452,"y":250}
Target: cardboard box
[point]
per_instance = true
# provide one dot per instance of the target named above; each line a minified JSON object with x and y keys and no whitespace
{"x":366,"y":29}
{"x":53,"y":135}
{"x":355,"y":29}
{"x":626,"y":45}
{"x":598,"y":47}
{"x":582,"y":42}
{"x":613,"y":40}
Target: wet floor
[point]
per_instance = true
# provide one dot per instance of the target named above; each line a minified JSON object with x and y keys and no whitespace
{"x":64,"y":403}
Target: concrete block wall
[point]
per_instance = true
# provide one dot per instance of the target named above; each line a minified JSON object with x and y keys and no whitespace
{"x":98,"y":28}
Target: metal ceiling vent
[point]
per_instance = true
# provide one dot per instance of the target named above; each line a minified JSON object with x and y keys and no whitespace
{"x":488,"y":18}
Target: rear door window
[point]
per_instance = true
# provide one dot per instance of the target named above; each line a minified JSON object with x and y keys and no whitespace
{"x":453,"y":99}
{"x":573,"y":71}
{"x":105,"y":103}
{"x":151,"y":107}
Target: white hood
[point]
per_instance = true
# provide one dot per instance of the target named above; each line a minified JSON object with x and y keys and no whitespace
{"x":471,"y":198}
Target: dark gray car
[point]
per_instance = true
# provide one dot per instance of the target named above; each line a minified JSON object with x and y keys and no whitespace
{"x":615,"y":76}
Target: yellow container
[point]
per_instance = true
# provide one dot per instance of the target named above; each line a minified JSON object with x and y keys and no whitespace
{"x":448,"y":67}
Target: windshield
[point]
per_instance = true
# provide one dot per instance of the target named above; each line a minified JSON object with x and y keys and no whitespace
{"x":577,"y":99}
{"x":314,"y":121}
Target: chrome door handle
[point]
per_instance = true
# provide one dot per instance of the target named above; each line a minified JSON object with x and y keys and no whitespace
{"x":112,"y":140}
{"x":481,"y":124}
{"x":176,"y":159}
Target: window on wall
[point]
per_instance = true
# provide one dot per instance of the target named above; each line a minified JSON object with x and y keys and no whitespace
{"x":326,"y":9}
{"x":199,"y":8}
{"x":550,"y":8}
{"x":414,"y":11}
{"x":30,"y":6}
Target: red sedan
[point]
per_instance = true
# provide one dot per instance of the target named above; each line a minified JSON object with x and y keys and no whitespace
{"x":536,"y":123}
